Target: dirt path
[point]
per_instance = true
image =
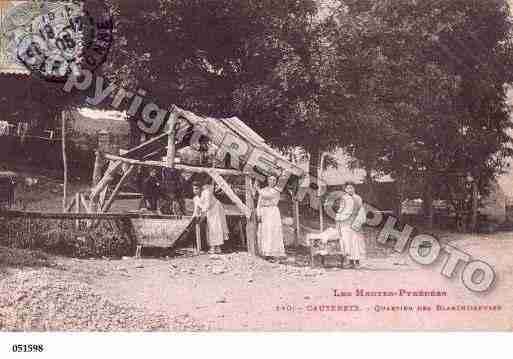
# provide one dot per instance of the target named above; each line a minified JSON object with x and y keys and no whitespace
{"x":239,"y":292}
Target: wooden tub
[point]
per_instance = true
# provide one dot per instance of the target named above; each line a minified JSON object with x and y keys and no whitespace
{"x":159,"y":232}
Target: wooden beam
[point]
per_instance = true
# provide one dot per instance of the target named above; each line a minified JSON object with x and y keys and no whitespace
{"x":101,"y":200}
{"x":64,"y":115}
{"x":84,"y":203}
{"x":296,"y":221}
{"x":171,"y":149}
{"x":221,"y":171}
{"x":197,"y":228}
{"x":98,"y":164}
{"x":155,"y":154}
{"x":146,"y":147}
{"x":106,"y":179}
{"x":107,"y":205}
{"x":77,"y":209}
{"x":229,"y":192}
{"x":72,"y":216}
{"x":69,"y":206}
{"x":251,"y":223}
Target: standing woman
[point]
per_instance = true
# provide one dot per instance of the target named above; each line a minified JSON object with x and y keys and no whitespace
{"x":206,"y":204}
{"x":350,"y":218}
{"x":270,"y":235}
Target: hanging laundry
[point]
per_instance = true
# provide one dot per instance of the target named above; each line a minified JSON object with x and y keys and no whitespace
{"x":4,"y":128}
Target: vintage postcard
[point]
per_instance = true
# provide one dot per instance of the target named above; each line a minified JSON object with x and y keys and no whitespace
{"x":305,"y":165}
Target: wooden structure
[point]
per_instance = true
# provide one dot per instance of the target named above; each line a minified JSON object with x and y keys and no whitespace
{"x":324,"y":244}
{"x":254,"y":159}
{"x":7,"y":186}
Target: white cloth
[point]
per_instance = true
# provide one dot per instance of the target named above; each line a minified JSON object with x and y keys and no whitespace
{"x":350,"y":218}
{"x":270,"y":232}
{"x":216,"y":217}
{"x":329,"y":234}
{"x":4,"y":128}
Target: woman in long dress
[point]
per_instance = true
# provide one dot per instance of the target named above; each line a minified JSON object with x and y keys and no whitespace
{"x":270,"y":234}
{"x":205,"y":204}
{"x":350,"y":218}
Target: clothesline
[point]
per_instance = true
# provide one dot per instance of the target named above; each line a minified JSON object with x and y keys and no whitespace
{"x":21,"y":129}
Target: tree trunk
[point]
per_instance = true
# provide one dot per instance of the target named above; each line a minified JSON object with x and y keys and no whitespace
{"x":64,"y":115}
{"x":428,"y":206}
{"x":371,"y":194}
{"x":313,"y":171}
{"x":313,"y":166}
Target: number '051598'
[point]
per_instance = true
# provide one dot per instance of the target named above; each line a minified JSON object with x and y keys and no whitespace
{"x":27,"y":348}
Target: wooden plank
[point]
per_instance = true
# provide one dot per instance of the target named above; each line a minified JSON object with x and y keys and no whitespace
{"x":71,"y":215}
{"x":101,"y":201}
{"x":77,"y":209}
{"x":70,"y":206}
{"x":64,"y":115}
{"x":242,"y":234}
{"x":197,"y":228}
{"x":98,"y":164}
{"x":129,"y":195}
{"x":155,"y":155}
{"x":296,"y":220}
{"x":171,"y":149}
{"x":149,"y":146}
{"x":84,"y":203}
{"x":251,"y":223}
{"x":107,"y":205}
{"x":152,"y":145}
{"x":230,"y":193}
{"x":106,"y":179}
{"x":221,"y":171}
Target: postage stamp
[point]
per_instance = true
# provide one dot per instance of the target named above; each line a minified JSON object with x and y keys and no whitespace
{"x":52,"y":39}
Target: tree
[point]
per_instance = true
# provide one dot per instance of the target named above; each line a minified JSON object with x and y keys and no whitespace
{"x":434,"y":76}
{"x":221,"y":58}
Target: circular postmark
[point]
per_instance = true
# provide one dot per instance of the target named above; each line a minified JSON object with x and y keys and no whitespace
{"x":57,"y":39}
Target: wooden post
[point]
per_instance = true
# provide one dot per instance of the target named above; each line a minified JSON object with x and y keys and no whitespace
{"x":251,"y":224}
{"x":319,"y":192}
{"x":230,"y":193}
{"x":101,"y":200}
{"x":242,"y":234}
{"x":296,"y":220}
{"x":197,"y":228}
{"x":64,"y":160}
{"x":474,"y":206}
{"x":107,"y":205}
{"x":85,"y":204}
{"x":77,"y":209}
{"x":98,"y":164}
{"x":107,"y":178}
{"x":400,"y":198}
{"x":69,"y":206}
{"x":321,"y":215}
{"x":171,"y":147}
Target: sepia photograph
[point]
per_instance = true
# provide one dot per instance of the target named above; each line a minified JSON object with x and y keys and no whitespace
{"x":222,"y":166}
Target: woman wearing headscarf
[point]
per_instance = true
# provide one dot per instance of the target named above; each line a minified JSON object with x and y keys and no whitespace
{"x":206,"y":204}
{"x":350,"y":219}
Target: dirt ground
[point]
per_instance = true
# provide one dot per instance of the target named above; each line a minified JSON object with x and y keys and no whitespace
{"x":239,"y":292}
{"x":236,"y":291}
